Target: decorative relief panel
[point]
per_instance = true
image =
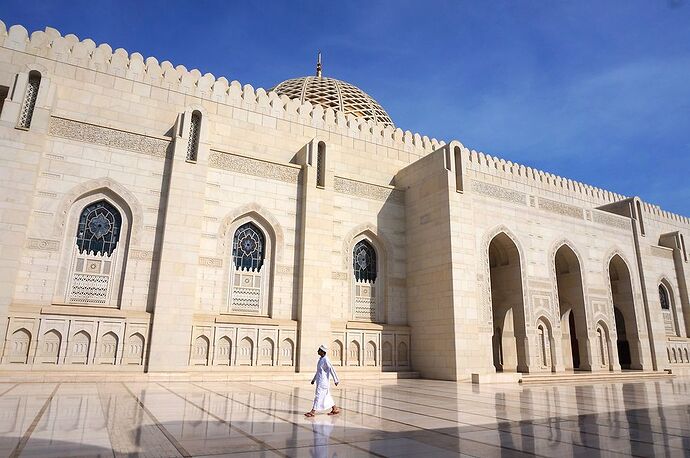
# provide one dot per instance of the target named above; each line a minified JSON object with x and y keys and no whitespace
{"x":368,"y":190}
{"x":284,"y":270}
{"x":255,"y":167}
{"x":43,"y":244}
{"x":105,"y":136}
{"x":210,"y":262}
{"x":610,"y":220}
{"x":339,"y":276}
{"x":498,"y":192}
{"x":141,"y":254}
{"x":560,"y":208}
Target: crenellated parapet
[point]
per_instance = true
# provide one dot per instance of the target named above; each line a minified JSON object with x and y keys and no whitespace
{"x":50,"y":44}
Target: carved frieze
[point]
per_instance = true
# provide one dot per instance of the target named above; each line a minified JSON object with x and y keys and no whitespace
{"x":254,"y":167}
{"x":43,"y":244}
{"x":611,"y":220}
{"x":105,"y":136}
{"x":560,"y":208}
{"x":498,"y":192}
{"x":368,"y":190}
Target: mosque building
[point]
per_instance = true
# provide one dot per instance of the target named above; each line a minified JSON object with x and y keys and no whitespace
{"x":157,"y":220}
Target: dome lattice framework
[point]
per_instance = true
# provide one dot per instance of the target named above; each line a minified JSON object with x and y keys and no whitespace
{"x":336,"y":94}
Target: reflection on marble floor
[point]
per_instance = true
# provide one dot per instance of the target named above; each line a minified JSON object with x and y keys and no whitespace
{"x":403,"y":418}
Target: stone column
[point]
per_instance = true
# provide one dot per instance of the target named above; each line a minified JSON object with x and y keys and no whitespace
{"x":21,"y":151}
{"x":171,"y":333}
{"x":316,"y":241}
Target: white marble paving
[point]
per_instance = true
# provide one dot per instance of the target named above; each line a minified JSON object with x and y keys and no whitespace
{"x":405,"y":418}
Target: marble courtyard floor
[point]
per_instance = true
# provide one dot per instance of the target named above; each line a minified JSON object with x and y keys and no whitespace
{"x":391,"y":418}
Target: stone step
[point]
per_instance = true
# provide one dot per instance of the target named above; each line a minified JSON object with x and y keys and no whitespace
{"x":591,"y":377}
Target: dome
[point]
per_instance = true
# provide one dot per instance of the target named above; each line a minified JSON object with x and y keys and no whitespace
{"x":336,"y":94}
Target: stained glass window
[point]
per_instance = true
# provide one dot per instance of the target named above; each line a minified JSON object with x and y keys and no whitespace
{"x":663,"y":298}
{"x":364,"y":262}
{"x":99,"y":229}
{"x":248,"y":248}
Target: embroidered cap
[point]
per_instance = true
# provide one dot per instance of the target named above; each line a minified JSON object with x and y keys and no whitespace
{"x":323,"y":348}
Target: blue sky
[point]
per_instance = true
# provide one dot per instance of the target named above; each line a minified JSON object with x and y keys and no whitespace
{"x":596,"y":91}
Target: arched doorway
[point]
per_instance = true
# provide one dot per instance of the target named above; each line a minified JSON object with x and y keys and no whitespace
{"x":627,"y":340}
{"x":572,"y":308}
{"x":507,"y":305}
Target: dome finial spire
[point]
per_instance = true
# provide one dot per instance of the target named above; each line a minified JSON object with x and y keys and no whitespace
{"x":318,"y":65}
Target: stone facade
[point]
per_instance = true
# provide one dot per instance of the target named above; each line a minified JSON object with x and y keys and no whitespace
{"x":161,"y":220}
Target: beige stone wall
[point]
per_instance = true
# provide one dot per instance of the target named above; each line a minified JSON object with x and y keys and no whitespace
{"x":112,"y":125}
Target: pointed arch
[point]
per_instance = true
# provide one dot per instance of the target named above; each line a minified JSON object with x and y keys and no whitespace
{"x":568,"y":276}
{"x":248,"y":288}
{"x":224,"y":351}
{"x":372,"y":232}
{"x":109,"y":188}
{"x":262,"y":216}
{"x":622,"y":297}
{"x":505,"y":288}
{"x":368,"y":277}
{"x":485,"y":267}
{"x":337,"y":354}
{"x":18,"y":346}
{"x":668,"y":305}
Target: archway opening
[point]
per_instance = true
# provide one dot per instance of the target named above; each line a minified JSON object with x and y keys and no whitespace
{"x":627,"y":340}
{"x":509,"y":339}
{"x":572,"y":309}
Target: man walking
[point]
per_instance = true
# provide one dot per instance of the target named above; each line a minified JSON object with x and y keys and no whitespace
{"x":323,"y":399}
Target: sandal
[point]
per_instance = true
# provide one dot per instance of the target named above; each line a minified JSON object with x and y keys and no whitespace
{"x":334,"y":412}
{"x":309,"y":414}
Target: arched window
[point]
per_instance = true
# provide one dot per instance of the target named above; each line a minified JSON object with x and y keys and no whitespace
{"x":29,"y":103}
{"x":249,"y":274}
{"x":667,"y":310}
{"x":366,"y":290}
{"x":194,"y":130}
{"x":663,"y":298}
{"x":94,"y":263}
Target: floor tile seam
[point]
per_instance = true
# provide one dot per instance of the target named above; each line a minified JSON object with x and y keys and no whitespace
{"x":624,"y":398}
{"x":222,"y":420}
{"x":513,"y":401}
{"x":419,"y":428}
{"x":168,"y":435}
{"x":507,"y":419}
{"x":340,"y":441}
{"x":447,"y":397}
{"x":105,"y":417}
{"x":9,"y":389}
{"x":485,"y":428}
{"x":29,"y":431}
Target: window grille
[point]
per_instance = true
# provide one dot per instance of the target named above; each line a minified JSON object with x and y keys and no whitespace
{"x":321,"y":165}
{"x":193,"y":144}
{"x":30,"y":100}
